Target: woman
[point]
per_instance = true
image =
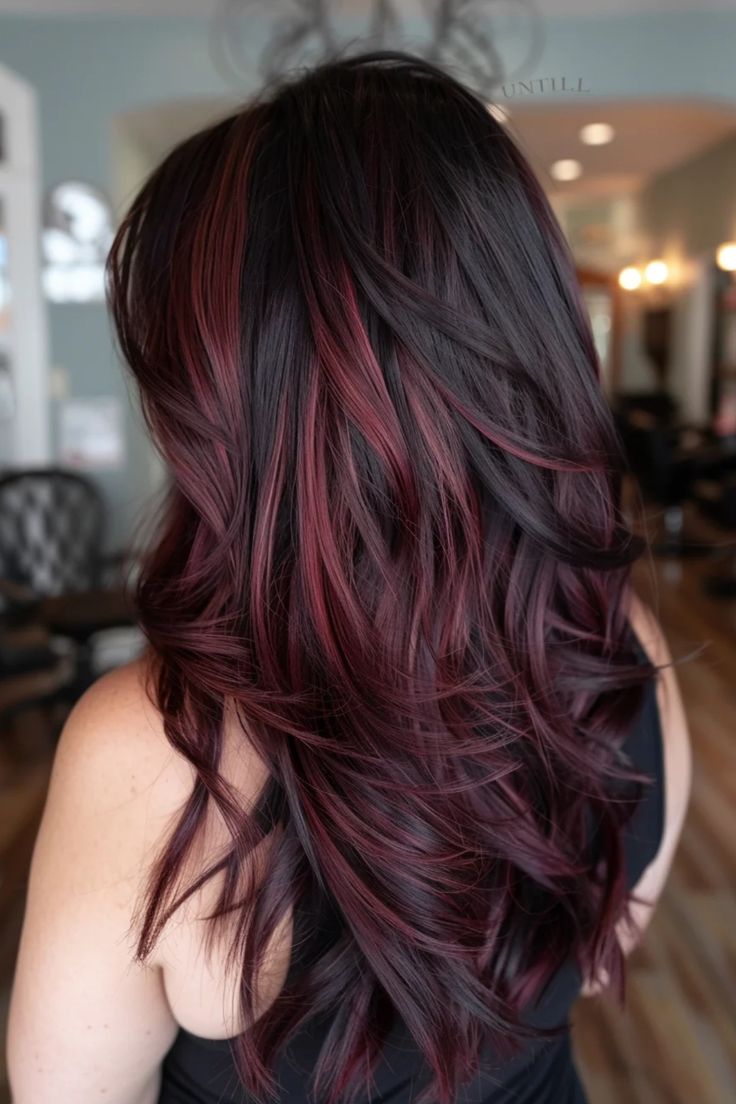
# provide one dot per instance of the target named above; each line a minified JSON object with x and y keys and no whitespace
{"x":369,"y":813}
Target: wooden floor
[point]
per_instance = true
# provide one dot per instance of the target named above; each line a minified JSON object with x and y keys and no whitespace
{"x":676,"y":1043}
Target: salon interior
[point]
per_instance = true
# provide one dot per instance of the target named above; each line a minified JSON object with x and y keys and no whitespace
{"x":627,"y":112}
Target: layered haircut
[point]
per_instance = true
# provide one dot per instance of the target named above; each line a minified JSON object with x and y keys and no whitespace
{"x":393,"y":542}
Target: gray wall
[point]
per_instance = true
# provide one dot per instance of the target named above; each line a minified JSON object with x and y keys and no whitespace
{"x":693,"y":208}
{"x":88,"y":70}
{"x":688,"y":212}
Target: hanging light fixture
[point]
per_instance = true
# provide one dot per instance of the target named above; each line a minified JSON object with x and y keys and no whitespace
{"x":459,"y":33}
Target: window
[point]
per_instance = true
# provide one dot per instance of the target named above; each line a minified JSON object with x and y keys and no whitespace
{"x":77,"y":234}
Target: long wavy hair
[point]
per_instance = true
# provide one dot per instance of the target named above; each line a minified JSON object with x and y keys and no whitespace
{"x":393,"y":541}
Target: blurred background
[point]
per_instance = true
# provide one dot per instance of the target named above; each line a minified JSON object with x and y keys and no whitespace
{"x":627,"y":110}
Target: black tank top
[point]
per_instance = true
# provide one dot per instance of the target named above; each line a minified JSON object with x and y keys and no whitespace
{"x":202,"y":1071}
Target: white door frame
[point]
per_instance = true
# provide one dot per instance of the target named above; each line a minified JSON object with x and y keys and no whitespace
{"x":20,"y":191}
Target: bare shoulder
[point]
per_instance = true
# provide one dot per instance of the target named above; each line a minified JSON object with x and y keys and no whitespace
{"x":117,"y":703}
{"x":115,"y":733}
{"x":79,"y":997}
{"x":671,"y":710}
{"x":115,"y":756}
{"x":116,"y":787}
{"x":649,"y":631}
{"x":673,"y":720}
{"x":99,"y":1016}
{"x":677,"y":759}
{"x":677,"y":751}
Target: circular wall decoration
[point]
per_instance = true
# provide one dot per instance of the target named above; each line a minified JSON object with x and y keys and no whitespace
{"x":77,"y":234}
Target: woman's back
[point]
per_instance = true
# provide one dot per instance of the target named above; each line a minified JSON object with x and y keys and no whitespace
{"x":94,"y":1039}
{"x":199,"y":1067}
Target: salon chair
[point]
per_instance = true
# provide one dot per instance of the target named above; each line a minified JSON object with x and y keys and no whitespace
{"x":716,"y":498}
{"x":665,"y":464}
{"x":52,"y":524}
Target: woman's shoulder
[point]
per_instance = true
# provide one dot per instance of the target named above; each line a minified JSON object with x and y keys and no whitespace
{"x":113,"y":742}
{"x":115,"y":758}
{"x":117,"y":702}
{"x":79,"y":994}
{"x":648,"y":631}
{"x":115,"y":786}
{"x":677,"y":759}
{"x":120,"y":714}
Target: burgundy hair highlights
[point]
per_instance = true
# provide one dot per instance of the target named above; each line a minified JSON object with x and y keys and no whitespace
{"x":393,"y":543}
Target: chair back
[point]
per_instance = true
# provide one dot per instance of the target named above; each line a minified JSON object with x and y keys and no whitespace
{"x":51,"y":523}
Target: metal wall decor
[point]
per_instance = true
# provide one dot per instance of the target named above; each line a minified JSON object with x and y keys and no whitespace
{"x":463,"y":34}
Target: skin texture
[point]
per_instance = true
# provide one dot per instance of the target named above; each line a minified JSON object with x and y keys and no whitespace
{"x":88,"y":1023}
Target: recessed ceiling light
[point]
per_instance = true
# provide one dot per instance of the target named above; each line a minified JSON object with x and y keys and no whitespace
{"x":629,"y":278}
{"x":657,"y":272}
{"x":597,"y":134}
{"x":567,"y":169}
{"x":726,"y":256}
{"x":500,"y":114}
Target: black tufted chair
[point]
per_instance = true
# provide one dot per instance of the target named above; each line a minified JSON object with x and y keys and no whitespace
{"x":52,"y":571}
{"x":51,"y":524}
{"x":717,"y":500}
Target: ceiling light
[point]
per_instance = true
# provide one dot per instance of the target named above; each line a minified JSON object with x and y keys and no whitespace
{"x":726,"y":256}
{"x":567,"y":169}
{"x":597,"y":134}
{"x":629,"y":278}
{"x":656,"y":272}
